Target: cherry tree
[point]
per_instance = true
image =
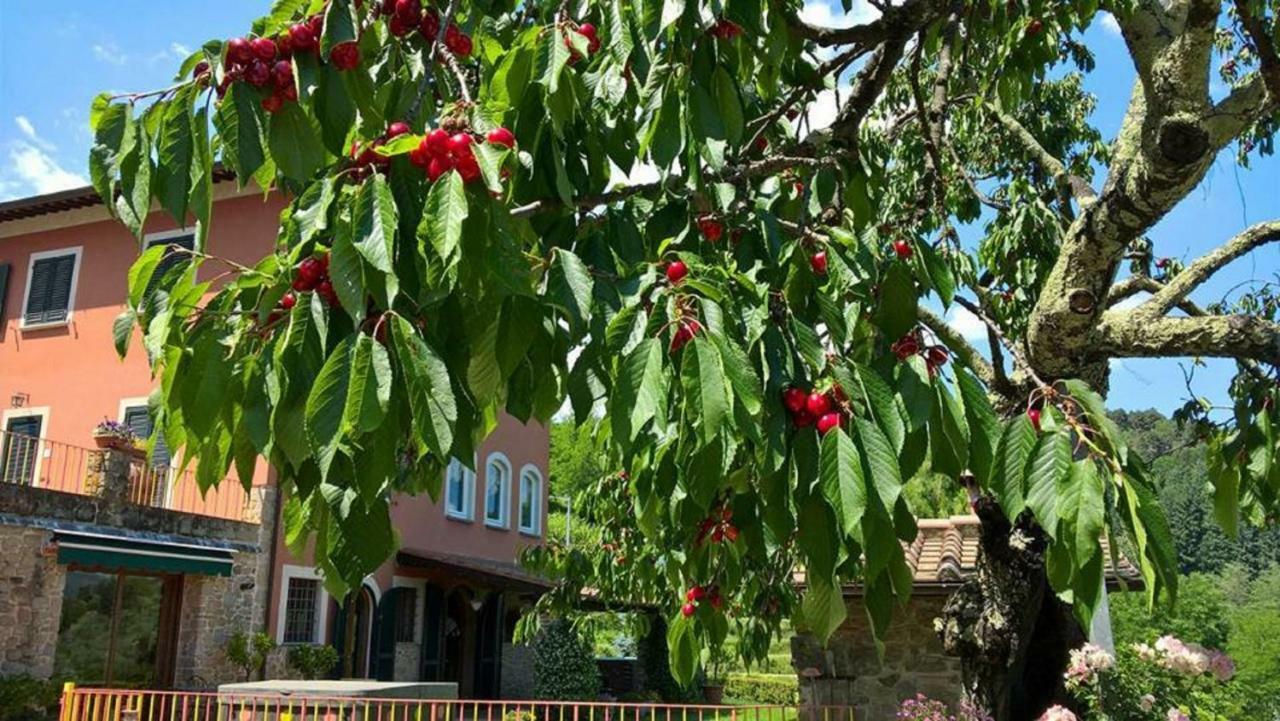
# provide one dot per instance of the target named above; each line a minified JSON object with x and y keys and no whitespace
{"x":756,"y":334}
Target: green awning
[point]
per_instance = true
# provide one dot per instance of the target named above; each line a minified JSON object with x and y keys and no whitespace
{"x":134,"y":554}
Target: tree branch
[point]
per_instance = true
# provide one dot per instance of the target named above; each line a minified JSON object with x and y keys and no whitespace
{"x":1264,"y":46}
{"x":913,"y":13}
{"x":1133,"y":335}
{"x":1198,"y":272}
{"x":963,"y":349}
{"x":1068,"y":185}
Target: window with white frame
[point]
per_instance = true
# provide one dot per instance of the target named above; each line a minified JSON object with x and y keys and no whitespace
{"x":302,"y":599}
{"x":530,"y":500}
{"x":459,"y":491}
{"x":497,"y":479}
{"x":51,"y":287}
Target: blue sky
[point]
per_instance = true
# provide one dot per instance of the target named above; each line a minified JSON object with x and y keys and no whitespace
{"x":54,"y":57}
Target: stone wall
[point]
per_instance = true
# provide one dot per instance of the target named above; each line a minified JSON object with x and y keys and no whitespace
{"x":517,"y":671}
{"x":408,"y":661}
{"x":848,"y":671}
{"x":31,"y":583}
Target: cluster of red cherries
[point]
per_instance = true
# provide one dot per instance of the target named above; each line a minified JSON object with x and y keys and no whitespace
{"x":439,"y":152}
{"x":588,"y":31}
{"x":697,"y":595}
{"x":710,"y":228}
{"x":312,"y":275}
{"x":686,"y":329}
{"x":264,"y":63}
{"x":935,"y":356}
{"x":725,"y":29}
{"x":903,"y":249}
{"x":406,"y":16}
{"x":825,"y":410}
{"x":364,"y":160}
{"x":718,"y":527}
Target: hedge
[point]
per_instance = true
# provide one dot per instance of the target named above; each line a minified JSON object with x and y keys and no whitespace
{"x":762,"y":688}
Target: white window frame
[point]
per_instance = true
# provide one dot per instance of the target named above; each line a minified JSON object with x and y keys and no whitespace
{"x":535,"y":501}
{"x":420,"y":585}
{"x":78,"y":252}
{"x":152,"y":239}
{"x":41,"y":450}
{"x":504,"y":522}
{"x":468,"y":512}
{"x":308,"y":573}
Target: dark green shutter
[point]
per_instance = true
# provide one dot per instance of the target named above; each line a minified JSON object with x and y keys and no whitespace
{"x":4,"y":289}
{"x":171,"y":259}
{"x":50,"y":292}
{"x":432,"y":662}
{"x":138,"y":418}
{"x":489,"y":647}
{"x":384,"y":635}
{"x":21,"y":446}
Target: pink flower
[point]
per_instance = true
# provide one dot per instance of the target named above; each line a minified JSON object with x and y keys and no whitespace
{"x":1147,"y":702}
{"x":1059,"y":713}
{"x":1221,"y":666}
{"x":1177,"y":715}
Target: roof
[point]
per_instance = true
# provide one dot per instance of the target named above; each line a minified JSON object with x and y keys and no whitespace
{"x":945,"y":553}
{"x":483,"y":571}
{"x":63,"y":200}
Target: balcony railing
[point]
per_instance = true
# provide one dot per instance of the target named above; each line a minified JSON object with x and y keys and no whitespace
{"x":57,"y":466}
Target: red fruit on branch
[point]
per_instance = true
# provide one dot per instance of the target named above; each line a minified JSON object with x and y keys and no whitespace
{"x":460,"y":145}
{"x":311,"y":270}
{"x":717,"y":602}
{"x":588,"y":31}
{"x":288,"y":301}
{"x":419,"y":156}
{"x":301,"y":37}
{"x":264,"y":48}
{"x":1034,"y":27}
{"x":325,"y":290}
{"x":937,"y":356}
{"x":201,"y":68}
{"x":676,"y":271}
{"x":802,"y":419}
{"x":437,"y":143}
{"x":272,"y":103}
{"x":827,"y":422}
{"x":282,"y":74}
{"x":438,"y":166}
{"x":258,"y":74}
{"x":429,"y":26}
{"x":903,"y":249}
{"x":468,"y":168}
{"x":817,"y":404}
{"x":239,"y":51}
{"x":710,"y":228}
{"x":695,"y":594}
{"x":1033,"y":414}
{"x":408,"y":11}
{"x":399,"y":27}
{"x":345,"y":56}
{"x":684,"y":333}
{"x":688,"y":610}
{"x":398,"y":128}
{"x":501,"y":137}
{"x":906,"y":346}
{"x":818,"y":261}
{"x":793,"y":399}
{"x":762,"y":143}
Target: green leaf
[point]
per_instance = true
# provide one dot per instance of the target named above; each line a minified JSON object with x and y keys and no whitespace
{"x":1225,"y":478}
{"x":1046,"y":475}
{"x":896,"y":312}
{"x":370,"y":387}
{"x":374,"y":218}
{"x":442,"y":217}
{"x":881,"y":460}
{"x":1009,"y":469}
{"x":426,"y":380}
{"x":1082,"y":505}
{"x":707,"y":398}
{"x":729,"y":104}
{"x":881,"y":402}
{"x":295,"y":142}
{"x":939,"y":273}
{"x":671,"y":12}
{"x":134,"y":202}
{"x":239,"y":123}
{"x":122,"y":330}
{"x":346,"y":273}
{"x":742,"y":376}
{"x":842,"y":482}
{"x":340,"y":25}
{"x":682,"y":647}
{"x":200,"y":201}
{"x":557,"y":56}
{"x":569,"y":286}
{"x":141,"y":271}
{"x":822,"y":609}
{"x":638,"y":390}
{"x":326,"y":404}
{"x":984,"y":426}
{"x":175,"y":152}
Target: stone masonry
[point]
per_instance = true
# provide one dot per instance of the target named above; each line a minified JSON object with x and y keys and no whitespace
{"x":30,"y":602}
{"x":848,"y":672}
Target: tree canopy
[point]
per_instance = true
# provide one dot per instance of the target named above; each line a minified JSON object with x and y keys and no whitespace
{"x":756,"y":329}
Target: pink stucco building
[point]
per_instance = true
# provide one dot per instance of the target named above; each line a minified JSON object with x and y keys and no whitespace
{"x":171,"y":575}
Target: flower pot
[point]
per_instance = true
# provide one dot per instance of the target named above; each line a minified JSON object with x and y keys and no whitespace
{"x":113,"y":442}
{"x":713,"y":693}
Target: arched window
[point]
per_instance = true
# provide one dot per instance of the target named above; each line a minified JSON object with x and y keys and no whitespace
{"x":497,"y":479}
{"x":530,"y":500}
{"x":460,"y":491}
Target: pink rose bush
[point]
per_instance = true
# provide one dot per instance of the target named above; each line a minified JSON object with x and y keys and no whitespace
{"x":923,"y":708}
{"x":1058,"y":713}
{"x":1173,"y":675}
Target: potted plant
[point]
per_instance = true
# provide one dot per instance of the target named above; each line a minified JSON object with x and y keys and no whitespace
{"x":113,"y":434}
{"x":713,"y":684}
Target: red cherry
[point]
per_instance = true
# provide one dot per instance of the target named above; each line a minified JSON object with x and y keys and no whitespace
{"x":1162,"y":263}
{"x":288,"y":300}
{"x":588,"y":31}
{"x":272,"y":103}
{"x":323,"y":260}
{"x":345,"y":56}
{"x":1034,"y":27}
{"x":817,"y":404}
{"x":676,"y":271}
{"x":460,"y":145}
{"x":301,"y":285}
{"x":325,"y":290}
{"x":437,"y":143}
{"x":468,"y":168}
{"x":316,"y":23}
{"x":438,"y":166}
{"x":716,"y":601}
{"x":201,"y":68}
{"x":819,"y":262}
{"x":762,"y":143}
{"x":419,"y":157}
{"x":502,"y":137}
{"x":827,"y":422}
{"x":802,"y":419}
{"x":937,"y":356}
{"x":688,"y":610}
{"x":463,"y":47}
{"x":430,"y":26}
{"x":264,"y":48}
{"x":239,"y":51}
{"x":710,"y":228}
{"x":258,"y":74}
{"x":301,"y":37}
{"x":794,"y":399}
{"x":397,"y":129}
{"x":311,"y":270}
{"x":282,"y":73}
{"x":408,"y":10}
{"x":399,"y":27}
{"x":903,"y":249}
{"x":1034,"y":415}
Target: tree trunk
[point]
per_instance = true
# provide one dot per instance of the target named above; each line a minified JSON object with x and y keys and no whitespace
{"x":1011,"y":633}
{"x":349,"y":633}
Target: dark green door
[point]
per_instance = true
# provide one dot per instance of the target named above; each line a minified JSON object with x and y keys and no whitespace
{"x":489,"y":638}
{"x":432,"y":661}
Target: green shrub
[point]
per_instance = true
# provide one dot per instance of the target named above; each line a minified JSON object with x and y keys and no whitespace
{"x":248,"y":652}
{"x":762,"y":688}
{"x":564,"y":667}
{"x":23,"y":698}
{"x":313,"y":661}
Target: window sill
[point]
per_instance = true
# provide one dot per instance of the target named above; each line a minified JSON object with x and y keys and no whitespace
{"x":459,"y":518}
{"x":531,"y":533}
{"x":25,"y":326}
{"x":496,"y":525}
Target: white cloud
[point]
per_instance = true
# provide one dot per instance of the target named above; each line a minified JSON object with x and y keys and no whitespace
{"x":1109,"y":23}
{"x":109,"y":52}
{"x":821,"y":113}
{"x":32,"y":170}
{"x":180,"y":50}
{"x":966,"y":324}
{"x":819,"y":12}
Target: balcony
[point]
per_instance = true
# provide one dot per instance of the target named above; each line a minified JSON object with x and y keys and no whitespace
{"x":121,"y":476}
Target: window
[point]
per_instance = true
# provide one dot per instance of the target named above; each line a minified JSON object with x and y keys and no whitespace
{"x":21,"y":449}
{"x":137,"y":417}
{"x":460,"y":491}
{"x":172,"y":257}
{"x":301,"y":601}
{"x":406,"y":614}
{"x":51,"y":287}
{"x":497,"y":479}
{"x":118,"y":629}
{"x":530,"y":500}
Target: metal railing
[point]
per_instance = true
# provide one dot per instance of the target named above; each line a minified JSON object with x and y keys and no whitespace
{"x":129,"y":705}
{"x":57,"y":466}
